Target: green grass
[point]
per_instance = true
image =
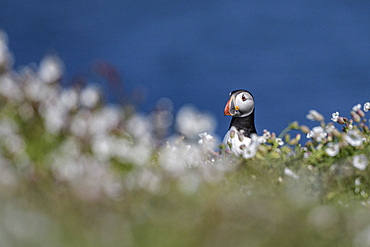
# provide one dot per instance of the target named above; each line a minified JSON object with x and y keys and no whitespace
{"x":95,"y":181}
{"x":239,"y":211}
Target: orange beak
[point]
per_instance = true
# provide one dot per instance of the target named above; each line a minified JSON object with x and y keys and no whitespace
{"x":230,"y":107}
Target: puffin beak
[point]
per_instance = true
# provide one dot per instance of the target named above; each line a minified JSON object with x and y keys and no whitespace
{"x":230,"y":107}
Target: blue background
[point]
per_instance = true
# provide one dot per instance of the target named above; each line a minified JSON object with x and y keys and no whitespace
{"x":293,"y":55}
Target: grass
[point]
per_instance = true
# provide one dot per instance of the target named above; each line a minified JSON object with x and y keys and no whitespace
{"x":242,"y":210}
{"x":93,"y":180}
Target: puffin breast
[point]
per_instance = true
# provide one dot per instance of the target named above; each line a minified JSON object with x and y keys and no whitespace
{"x":234,"y":141}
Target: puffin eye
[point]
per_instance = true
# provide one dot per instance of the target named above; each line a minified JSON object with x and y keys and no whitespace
{"x":244,"y":98}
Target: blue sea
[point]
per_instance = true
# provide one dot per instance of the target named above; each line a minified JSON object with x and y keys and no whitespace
{"x":293,"y":55}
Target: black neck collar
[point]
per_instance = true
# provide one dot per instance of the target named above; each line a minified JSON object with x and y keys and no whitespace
{"x":244,"y":123}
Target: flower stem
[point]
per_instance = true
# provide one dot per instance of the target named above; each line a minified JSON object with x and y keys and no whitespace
{"x":286,"y":130}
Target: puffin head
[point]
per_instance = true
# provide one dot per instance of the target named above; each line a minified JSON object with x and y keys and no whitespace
{"x":240,"y":104}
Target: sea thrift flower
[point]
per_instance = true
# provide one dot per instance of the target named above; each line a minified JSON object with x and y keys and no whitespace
{"x":353,"y":138}
{"x":366,"y":106}
{"x":335,"y":116}
{"x":314,"y":115}
{"x":360,"y":162}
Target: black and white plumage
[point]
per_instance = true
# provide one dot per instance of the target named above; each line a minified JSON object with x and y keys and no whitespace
{"x":241,"y":107}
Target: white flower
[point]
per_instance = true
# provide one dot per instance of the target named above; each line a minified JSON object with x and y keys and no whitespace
{"x":104,"y":120}
{"x":205,"y":137}
{"x":333,"y":149}
{"x":178,"y":158}
{"x":249,"y":151}
{"x":290,"y":173}
{"x":256,"y":140}
{"x":207,"y":141}
{"x":356,"y":107}
{"x":89,"y":97}
{"x":103,"y":147}
{"x":360,"y":162}
{"x":9,"y":88}
{"x":139,"y":127}
{"x":68,"y":98}
{"x":357,"y":182}
{"x":306,"y":154}
{"x":329,"y":129}
{"x":314,"y":115}
{"x":309,"y":134}
{"x":279,"y":141}
{"x":55,"y":119}
{"x":266,"y":135}
{"x":353,"y":138}
{"x":366,"y":106}
{"x":335,"y":116}
{"x":33,"y":90}
{"x":79,"y":124}
{"x":190,"y":122}
{"x":51,"y":69}
{"x":317,"y":133}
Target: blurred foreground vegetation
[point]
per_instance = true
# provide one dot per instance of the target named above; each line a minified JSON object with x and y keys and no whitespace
{"x":75,"y":171}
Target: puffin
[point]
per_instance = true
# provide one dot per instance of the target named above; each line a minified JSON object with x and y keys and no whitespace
{"x":241,"y":107}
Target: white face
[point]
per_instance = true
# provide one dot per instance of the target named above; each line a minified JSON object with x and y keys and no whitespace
{"x":244,"y":104}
